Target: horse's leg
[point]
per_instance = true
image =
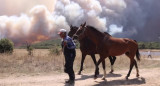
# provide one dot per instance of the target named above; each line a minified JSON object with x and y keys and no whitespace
{"x":94,"y":60}
{"x":136,"y":68}
{"x":132,"y":62}
{"x":82,"y":61}
{"x":112,"y":60}
{"x":103,"y":65}
{"x":97,"y":69}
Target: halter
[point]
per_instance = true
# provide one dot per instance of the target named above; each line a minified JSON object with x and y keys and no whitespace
{"x":83,"y":32}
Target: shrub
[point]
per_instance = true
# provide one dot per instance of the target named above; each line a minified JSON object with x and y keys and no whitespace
{"x":54,"y":50}
{"x":29,"y":49}
{"x":6,"y":46}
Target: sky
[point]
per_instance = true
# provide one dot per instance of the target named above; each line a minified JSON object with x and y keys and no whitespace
{"x":39,"y":20}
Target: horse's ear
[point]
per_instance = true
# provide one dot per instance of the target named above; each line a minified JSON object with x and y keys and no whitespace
{"x":84,"y":24}
{"x":71,"y":26}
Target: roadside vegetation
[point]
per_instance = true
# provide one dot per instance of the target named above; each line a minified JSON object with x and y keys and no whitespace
{"x":149,"y":45}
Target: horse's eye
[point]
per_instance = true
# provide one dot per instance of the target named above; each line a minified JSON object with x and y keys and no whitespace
{"x":78,"y":33}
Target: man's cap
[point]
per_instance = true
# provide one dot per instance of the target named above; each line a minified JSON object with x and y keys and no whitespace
{"x":62,"y":31}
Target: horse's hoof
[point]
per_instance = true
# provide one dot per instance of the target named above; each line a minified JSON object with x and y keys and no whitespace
{"x":79,"y":73}
{"x":95,"y":77}
{"x":111,"y":71}
{"x":137,"y":75}
{"x":103,"y":78}
{"x":126,"y":77}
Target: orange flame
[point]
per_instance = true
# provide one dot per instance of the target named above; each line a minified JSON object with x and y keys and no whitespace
{"x":40,"y":38}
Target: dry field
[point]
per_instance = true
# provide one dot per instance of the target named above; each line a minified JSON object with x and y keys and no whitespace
{"x":43,"y":69}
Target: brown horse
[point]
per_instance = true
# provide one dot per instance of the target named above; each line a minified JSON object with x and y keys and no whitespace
{"x":87,"y":47}
{"x":107,"y":45}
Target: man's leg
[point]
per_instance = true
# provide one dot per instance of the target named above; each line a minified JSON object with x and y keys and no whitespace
{"x":66,"y":69}
{"x":71,"y":71}
{"x":71,"y":75}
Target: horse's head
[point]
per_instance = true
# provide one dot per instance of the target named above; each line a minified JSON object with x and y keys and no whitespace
{"x":72,"y":31}
{"x":80,"y":32}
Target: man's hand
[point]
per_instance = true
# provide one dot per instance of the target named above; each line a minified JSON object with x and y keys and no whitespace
{"x":64,"y":43}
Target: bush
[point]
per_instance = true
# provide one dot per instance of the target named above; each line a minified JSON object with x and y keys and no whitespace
{"x":54,"y":50}
{"x":29,"y":48}
{"x":6,"y":46}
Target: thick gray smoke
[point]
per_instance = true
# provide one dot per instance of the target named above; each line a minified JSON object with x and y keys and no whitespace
{"x":134,"y":19}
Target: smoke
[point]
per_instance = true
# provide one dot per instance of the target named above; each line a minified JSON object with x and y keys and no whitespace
{"x":139,"y":18}
{"x":39,"y":25}
{"x":77,"y":12}
{"x":134,"y":19}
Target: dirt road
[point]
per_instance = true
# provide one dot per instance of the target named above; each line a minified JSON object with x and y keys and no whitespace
{"x":148,"y":77}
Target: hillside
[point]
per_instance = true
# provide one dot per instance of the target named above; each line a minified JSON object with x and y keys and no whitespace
{"x":47,"y":44}
{"x":56,"y":42}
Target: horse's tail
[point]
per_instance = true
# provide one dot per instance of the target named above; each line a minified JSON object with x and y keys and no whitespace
{"x":137,"y":53}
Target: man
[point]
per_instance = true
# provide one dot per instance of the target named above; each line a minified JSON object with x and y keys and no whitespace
{"x":149,"y":54}
{"x":69,"y":52}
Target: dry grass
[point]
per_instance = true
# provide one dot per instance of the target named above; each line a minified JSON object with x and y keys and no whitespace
{"x":21,"y":62}
{"x":43,"y":62}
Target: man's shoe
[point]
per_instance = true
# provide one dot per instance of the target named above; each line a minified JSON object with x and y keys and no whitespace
{"x":67,"y":81}
{"x":71,"y":82}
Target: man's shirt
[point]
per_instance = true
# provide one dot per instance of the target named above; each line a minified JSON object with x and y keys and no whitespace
{"x":69,"y":43}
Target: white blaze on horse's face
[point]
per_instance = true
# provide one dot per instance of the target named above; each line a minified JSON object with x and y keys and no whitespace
{"x":80,"y":32}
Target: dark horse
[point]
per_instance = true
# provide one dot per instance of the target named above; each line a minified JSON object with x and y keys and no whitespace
{"x":87,"y":47}
{"x":107,"y":45}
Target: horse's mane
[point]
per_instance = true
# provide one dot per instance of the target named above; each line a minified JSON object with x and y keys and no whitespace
{"x":75,"y":27}
{"x":95,"y":30}
{"x":107,"y":33}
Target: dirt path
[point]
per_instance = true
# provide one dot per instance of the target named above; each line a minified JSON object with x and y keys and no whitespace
{"x":148,"y":77}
